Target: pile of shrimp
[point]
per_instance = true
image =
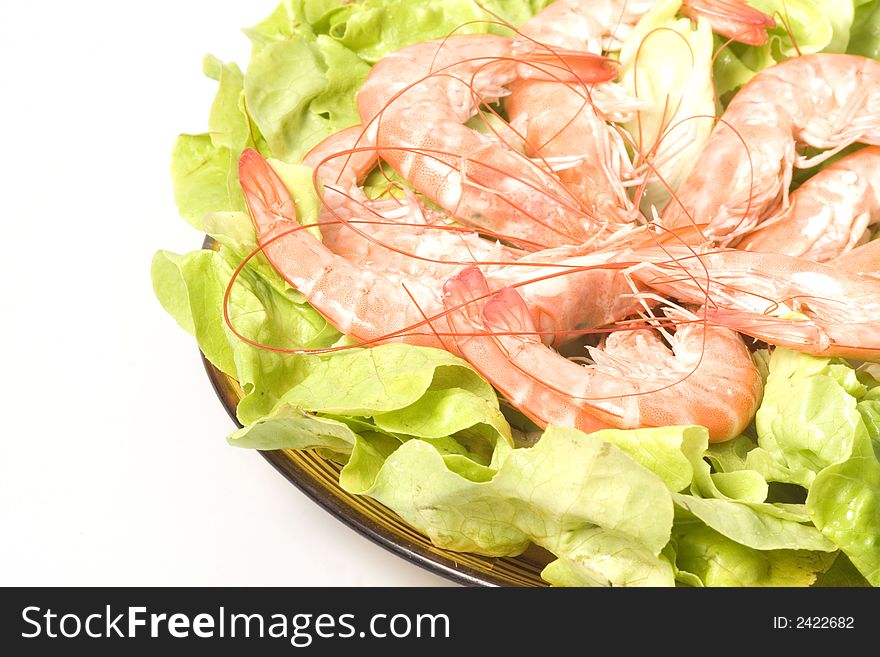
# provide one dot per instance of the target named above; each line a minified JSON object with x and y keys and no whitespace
{"x":511,"y":229}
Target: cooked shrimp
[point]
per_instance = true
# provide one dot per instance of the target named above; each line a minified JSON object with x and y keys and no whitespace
{"x":785,"y":301}
{"x":343,"y":159}
{"x":829,"y":214}
{"x":388,"y":235}
{"x":417,"y":101}
{"x":734,"y":19}
{"x":560,"y":122}
{"x":363,"y":304}
{"x":376,"y":302}
{"x":824,"y":101}
{"x":864,"y":260}
{"x":465,"y":297}
{"x":635,"y":380}
{"x":561,"y":128}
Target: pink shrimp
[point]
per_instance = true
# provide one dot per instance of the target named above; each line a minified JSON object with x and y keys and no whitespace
{"x":864,"y":260}
{"x":829,"y":215}
{"x":366,"y":305}
{"x":380,"y":303}
{"x":823,"y":101}
{"x":418,"y":99}
{"x":707,"y":378}
{"x":387,"y":235}
{"x":560,"y":123}
{"x":785,"y":301}
{"x":733,"y":19}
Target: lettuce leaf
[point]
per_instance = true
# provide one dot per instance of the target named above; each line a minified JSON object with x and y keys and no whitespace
{"x":705,"y":557}
{"x":301,"y":90}
{"x":573,"y":494}
{"x":200,"y":172}
{"x":844,"y":503}
{"x":606,"y":517}
{"x":756,"y":527}
{"x":662,"y":450}
{"x":817,"y":427}
{"x":865,"y":37}
{"x":191,"y":288}
{"x":807,"y":420}
{"x":802,"y":27}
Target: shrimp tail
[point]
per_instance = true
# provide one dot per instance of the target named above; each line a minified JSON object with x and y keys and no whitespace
{"x":507,"y":312}
{"x":466,"y":293}
{"x":265,"y":193}
{"x":502,"y":313}
{"x":570,"y":66}
{"x":479,"y":319}
{"x":732,"y":18}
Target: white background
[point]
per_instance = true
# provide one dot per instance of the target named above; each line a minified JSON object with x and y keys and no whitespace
{"x":113,"y":465}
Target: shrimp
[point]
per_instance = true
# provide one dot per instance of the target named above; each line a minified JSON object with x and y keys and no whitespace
{"x":366,"y":305}
{"x":707,"y":377}
{"x":388,"y":235}
{"x":824,"y":101}
{"x":381,"y":303}
{"x":864,"y":260}
{"x":561,"y":123}
{"x":733,"y":19}
{"x":829,"y":215}
{"x":417,"y":101}
{"x":785,"y":301}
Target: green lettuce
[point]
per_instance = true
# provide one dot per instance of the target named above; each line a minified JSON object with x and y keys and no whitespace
{"x":376,"y":27}
{"x":705,"y":557}
{"x":865,"y":37}
{"x":802,"y":27}
{"x":191,"y":288}
{"x":301,"y":90}
{"x":817,"y":428}
{"x":308,"y":60}
{"x":844,"y":503}
{"x":200,"y":172}
{"x":808,"y":419}
{"x":604,"y":516}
